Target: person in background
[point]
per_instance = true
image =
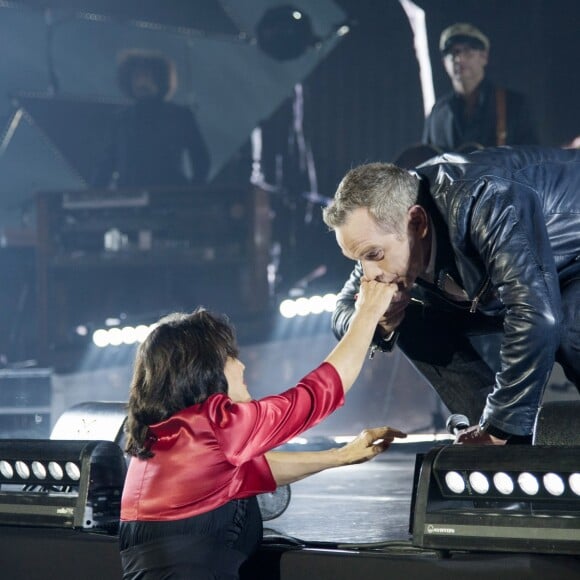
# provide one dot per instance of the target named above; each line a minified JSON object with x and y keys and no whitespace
{"x":202,"y":449}
{"x":481,"y":245}
{"x":476,"y":113}
{"x":153,"y":142}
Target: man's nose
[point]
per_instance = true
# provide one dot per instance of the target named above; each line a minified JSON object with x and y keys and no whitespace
{"x":373,"y":272}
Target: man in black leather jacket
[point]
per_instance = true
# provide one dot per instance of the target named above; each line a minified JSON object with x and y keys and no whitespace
{"x":476,"y":113}
{"x":485,"y":242}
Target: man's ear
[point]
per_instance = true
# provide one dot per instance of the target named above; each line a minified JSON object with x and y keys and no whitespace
{"x":418,"y":221}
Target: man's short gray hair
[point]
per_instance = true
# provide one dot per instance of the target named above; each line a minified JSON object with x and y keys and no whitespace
{"x":387,"y":191}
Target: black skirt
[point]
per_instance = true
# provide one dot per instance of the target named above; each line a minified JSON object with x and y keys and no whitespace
{"x":212,"y":545}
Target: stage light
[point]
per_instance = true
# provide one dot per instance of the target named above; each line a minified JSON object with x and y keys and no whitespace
{"x":479,"y":482}
{"x":528,"y":483}
{"x":125,"y":335}
{"x":503,"y":483}
{"x":285,"y":33}
{"x":73,"y":484}
{"x":39,"y":470}
{"x":533,"y":504}
{"x":303,"y":306}
{"x":554,"y":484}
{"x":574,"y":482}
{"x":115,"y":336}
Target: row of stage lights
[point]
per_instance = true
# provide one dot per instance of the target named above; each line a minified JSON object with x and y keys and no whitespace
{"x":21,"y":471}
{"x":289,"y":308}
{"x":528,"y":484}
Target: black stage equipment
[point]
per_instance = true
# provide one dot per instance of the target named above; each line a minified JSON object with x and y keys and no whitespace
{"x":67,"y":484}
{"x":518,"y":498}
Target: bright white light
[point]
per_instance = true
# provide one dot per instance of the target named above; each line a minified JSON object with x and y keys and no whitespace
{"x":297,"y":15}
{"x":528,"y":483}
{"x":479,"y":482}
{"x":343,"y":30}
{"x":112,"y":321}
{"x":298,"y":441}
{"x":503,"y":483}
{"x":128,"y":335}
{"x":316,"y":304}
{"x":6,"y":469}
{"x":101,"y":338}
{"x":38,"y":470}
{"x":72,"y":470}
{"x":455,"y":481}
{"x":22,"y":469}
{"x":142,"y":331}
{"x":329,"y":302}
{"x":288,"y":308}
{"x":82,"y":330}
{"x":554,"y":484}
{"x":302,"y":307}
{"x":55,"y":470}
{"x":574,"y":481}
{"x":115,"y":336}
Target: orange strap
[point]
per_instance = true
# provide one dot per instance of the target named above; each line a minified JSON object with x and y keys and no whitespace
{"x":500,"y":127}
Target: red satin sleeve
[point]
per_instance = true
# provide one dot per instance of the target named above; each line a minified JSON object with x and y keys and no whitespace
{"x":247,"y":430}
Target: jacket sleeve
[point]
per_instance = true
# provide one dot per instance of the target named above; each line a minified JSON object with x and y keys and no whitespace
{"x":248,"y":430}
{"x":509,"y":233}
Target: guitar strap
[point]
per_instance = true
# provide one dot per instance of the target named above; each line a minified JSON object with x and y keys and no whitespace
{"x":501,"y":125}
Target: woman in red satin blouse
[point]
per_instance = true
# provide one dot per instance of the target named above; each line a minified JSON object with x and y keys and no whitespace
{"x":202,"y":448}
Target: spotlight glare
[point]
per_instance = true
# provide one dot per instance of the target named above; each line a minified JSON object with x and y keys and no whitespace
{"x":574,"y":481}
{"x":455,"y":481}
{"x":554,"y":484}
{"x":287,"y":308}
{"x":316,"y":304}
{"x":115,"y":336}
{"x":528,"y":483}
{"x":503,"y":483}
{"x":101,"y":338}
{"x":142,"y":332}
{"x":128,"y":335}
{"x":329,"y":302}
{"x":82,"y":330}
{"x":479,"y":482}
{"x":302,"y":307}
{"x":297,"y":15}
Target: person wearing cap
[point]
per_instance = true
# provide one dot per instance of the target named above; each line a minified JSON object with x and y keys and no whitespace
{"x":476,"y":113}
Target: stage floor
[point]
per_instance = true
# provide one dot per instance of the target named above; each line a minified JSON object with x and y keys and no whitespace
{"x":357,"y":504}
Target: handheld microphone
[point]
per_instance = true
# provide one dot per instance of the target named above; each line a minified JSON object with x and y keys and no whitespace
{"x":456,"y":423}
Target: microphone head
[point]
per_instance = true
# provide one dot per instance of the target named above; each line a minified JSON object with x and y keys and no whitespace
{"x":456,"y":422}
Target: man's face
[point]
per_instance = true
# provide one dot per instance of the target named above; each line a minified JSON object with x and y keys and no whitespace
{"x":387,"y":257}
{"x":465,"y":64}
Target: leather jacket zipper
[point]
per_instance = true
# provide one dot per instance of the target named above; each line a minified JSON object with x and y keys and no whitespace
{"x":478,"y":296}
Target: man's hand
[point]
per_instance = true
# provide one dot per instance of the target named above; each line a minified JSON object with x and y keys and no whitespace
{"x":368,"y":444}
{"x":475,"y":436}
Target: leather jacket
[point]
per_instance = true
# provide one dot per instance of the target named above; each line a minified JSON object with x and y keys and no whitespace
{"x":507,"y":222}
{"x":446,"y":128}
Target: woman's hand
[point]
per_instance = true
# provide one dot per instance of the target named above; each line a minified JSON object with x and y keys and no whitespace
{"x":368,"y":444}
{"x":374,"y":298}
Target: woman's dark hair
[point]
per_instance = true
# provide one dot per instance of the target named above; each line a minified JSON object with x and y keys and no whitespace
{"x":181,"y":363}
{"x":161,"y":69}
